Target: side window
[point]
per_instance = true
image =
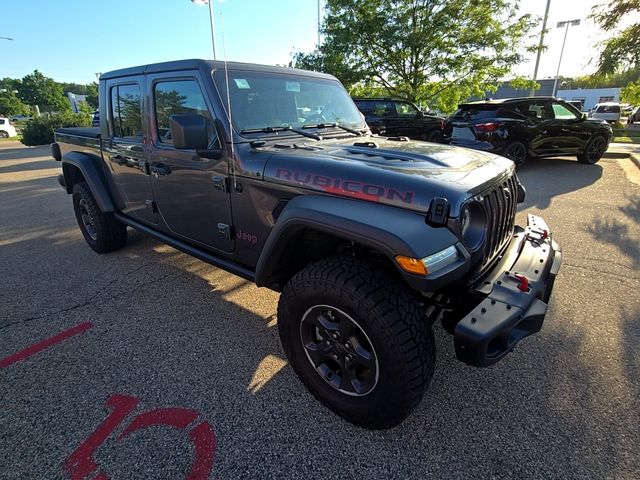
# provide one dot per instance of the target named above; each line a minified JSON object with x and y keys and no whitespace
{"x":560,"y":112}
{"x":533,"y":110}
{"x":384,"y":109}
{"x":126,"y":112}
{"x":406,"y":109}
{"x":180,"y":97}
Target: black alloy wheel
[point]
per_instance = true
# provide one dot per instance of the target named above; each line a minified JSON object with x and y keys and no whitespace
{"x":516,"y":152}
{"x":594,"y":150}
{"x":87,"y":219}
{"x":339,"y":350}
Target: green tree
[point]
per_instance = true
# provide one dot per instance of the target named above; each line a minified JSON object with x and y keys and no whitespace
{"x":631,"y":93}
{"x":621,"y":51}
{"x":92,"y":94}
{"x":36,"y":89}
{"x":437,"y":52}
{"x":10,"y":104}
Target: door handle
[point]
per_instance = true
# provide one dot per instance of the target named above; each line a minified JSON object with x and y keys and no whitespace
{"x":160,"y":169}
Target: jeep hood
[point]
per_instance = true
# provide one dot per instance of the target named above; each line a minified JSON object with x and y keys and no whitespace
{"x":407,"y":174}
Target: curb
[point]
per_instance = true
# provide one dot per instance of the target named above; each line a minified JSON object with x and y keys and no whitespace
{"x":635,"y":158}
{"x":616,"y":155}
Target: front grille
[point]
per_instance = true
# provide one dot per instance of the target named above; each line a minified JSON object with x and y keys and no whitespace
{"x":500,"y":208}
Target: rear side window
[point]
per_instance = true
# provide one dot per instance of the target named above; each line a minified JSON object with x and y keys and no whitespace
{"x":365,"y":106}
{"x":477,"y":113}
{"x":180,"y":97}
{"x":384,"y":109}
{"x":126,"y":112}
{"x":608,"y":109}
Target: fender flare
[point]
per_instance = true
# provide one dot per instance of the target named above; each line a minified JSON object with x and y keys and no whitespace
{"x":91,"y":168}
{"x":390,"y":230}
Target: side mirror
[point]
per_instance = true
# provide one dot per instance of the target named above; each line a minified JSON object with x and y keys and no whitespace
{"x":188,"y":131}
{"x":419,"y":114}
{"x":583,"y":117}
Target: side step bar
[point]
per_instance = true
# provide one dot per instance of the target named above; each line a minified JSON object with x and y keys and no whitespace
{"x":200,"y":254}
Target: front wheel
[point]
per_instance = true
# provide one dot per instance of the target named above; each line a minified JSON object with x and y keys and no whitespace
{"x":516,"y":152}
{"x":594,"y":150}
{"x":358,"y":339}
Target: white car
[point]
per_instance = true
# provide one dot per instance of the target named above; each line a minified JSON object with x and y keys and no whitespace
{"x":6,"y":129}
{"x":609,"y":112}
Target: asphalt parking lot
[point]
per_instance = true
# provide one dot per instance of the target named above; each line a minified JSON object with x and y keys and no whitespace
{"x":147,"y":363}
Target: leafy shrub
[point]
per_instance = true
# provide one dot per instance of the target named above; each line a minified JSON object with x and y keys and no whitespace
{"x":618,"y":125}
{"x":39,"y":131}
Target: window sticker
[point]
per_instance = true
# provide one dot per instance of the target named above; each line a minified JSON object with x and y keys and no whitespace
{"x":293,"y":87}
{"x":242,"y":83}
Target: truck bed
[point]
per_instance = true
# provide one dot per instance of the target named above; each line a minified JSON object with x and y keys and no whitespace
{"x":79,"y":139}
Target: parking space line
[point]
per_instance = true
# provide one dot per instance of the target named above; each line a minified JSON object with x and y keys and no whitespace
{"x":44,"y":344}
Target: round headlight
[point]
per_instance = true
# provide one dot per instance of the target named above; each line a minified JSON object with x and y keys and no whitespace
{"x":473,"y":226}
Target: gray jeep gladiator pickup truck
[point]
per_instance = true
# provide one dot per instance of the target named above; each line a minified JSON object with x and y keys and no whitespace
{"x":272,"y":174}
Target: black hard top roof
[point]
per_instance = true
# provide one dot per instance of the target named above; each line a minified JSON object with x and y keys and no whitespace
{"x":499,"y":101}
{"x":199,"y":64}
{"x":383,"y":99}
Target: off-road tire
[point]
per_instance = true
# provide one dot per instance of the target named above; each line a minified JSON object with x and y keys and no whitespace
{"x":391,"y":316}
{"x":516,"y":152}
{"x":106,"y":234}
{"x":593,"y":150}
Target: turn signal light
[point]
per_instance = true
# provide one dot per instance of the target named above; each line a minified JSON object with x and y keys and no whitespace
{"x":412,"y":265}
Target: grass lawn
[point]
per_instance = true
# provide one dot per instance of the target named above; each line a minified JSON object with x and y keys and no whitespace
{"x":623,"y":139}
{"x":17,"y":138}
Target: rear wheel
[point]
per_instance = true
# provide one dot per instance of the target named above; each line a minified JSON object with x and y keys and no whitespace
{"x":102,"y":232}
{"x":435,"y":136}
{"x":594,"y":150}
{"x":358,"y":339}
{"x":4,"y":134}
{"x":516,"y":152}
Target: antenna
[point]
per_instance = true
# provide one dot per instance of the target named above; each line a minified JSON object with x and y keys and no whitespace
{"x":226,"y":79}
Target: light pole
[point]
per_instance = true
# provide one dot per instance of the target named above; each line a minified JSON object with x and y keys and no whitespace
{"x":213,"y":28}
{"x":540,"y":46}
{"x":566,"y":24}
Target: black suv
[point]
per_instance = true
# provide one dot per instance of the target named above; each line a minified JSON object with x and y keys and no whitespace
{"x":390,"y":117}
{"x":518,"y":128}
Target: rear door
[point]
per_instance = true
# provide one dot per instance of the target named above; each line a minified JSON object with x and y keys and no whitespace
{"x":191,"y":192}
{"x":126,"y":151}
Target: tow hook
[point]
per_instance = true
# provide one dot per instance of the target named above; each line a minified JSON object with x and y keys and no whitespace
{"x":523,"y":282}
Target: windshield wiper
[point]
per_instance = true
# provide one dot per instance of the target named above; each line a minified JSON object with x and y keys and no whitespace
{"x":333,"y":125}
{"x":281,"y":129}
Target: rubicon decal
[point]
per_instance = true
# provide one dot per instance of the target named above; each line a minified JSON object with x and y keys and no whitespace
{"x":349,"y":188}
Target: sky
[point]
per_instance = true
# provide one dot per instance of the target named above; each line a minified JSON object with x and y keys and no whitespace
{"x":72,"y":40}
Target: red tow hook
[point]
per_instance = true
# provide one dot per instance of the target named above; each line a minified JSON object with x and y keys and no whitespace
{"x":523,"y":282}
{"x":545,"y":234}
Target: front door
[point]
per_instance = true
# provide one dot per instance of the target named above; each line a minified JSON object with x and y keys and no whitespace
{"x":126,"y":152}
{"x":191,"y":192}
{"x":567,"y":126}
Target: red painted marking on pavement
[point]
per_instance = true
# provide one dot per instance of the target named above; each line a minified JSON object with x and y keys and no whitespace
{"x":204,"y":442}
{"x":172,"y":417}
{"x":38,"y":347}
{"x":80,"y":463}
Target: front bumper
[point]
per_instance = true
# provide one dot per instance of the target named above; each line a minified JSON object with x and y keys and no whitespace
{"x":516,"y":293}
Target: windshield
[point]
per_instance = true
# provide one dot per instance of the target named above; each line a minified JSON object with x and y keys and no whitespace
{"x":261,"y":100}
